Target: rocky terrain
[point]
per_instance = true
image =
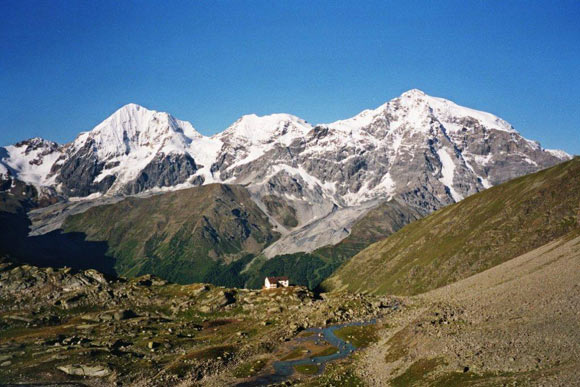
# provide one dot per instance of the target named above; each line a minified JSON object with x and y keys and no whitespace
{"x":60,"y":325}
{"x":514,"y":324}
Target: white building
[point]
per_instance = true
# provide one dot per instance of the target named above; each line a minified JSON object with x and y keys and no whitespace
{"x":276,"y":282}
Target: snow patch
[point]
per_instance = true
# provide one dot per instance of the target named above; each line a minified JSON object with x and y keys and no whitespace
{"x":448,"y":172}
{"x":559,"y":154}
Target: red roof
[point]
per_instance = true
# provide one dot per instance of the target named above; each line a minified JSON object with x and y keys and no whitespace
{"x":276,"y":279}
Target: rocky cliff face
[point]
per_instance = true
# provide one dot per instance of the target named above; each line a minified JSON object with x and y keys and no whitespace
{"x":427,"y":151}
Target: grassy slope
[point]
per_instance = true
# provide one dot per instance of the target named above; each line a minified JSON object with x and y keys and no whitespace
{"x":473,"y":235}
{"x":192,"y":235}
{"x":309,"y":269}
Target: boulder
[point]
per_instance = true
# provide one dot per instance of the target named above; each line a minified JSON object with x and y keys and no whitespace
{"x":95,"y":371}
{"x":124,"y":314}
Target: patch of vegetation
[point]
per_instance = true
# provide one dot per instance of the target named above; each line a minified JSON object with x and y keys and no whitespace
{"x":249,"y":369}
{"x":359,"y":336}
{"x":331,"y":350}
{"x":416,"y":373}
{"x":307,"y":369}
{"x":297,"y":353}
{"x":398,"y":346}
{"x":202,"y":234}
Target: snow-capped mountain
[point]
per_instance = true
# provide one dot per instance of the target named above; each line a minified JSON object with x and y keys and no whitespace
{"x":30,"y":161}
{"x":133,"y":150}
{"x":427,"y":151}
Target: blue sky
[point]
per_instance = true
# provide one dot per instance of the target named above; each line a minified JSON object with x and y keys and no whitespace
{"x":65,"y":66}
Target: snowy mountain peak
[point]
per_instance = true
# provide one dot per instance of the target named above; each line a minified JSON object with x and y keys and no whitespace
{"x":133,"y":127}
{"x":453,"y":116}
{"x":413,"y":93}
{"x":416,"y":111}
{"x":256,"y":129}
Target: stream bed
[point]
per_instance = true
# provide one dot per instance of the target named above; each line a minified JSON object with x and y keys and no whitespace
{"x":283,"y":369}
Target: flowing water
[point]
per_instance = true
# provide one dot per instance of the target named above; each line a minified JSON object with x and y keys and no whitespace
{"x":284,"y":369}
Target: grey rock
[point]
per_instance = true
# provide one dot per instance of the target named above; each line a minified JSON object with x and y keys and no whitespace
{"x":96,"y":371}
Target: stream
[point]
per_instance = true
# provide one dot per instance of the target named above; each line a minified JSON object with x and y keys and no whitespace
{"x":284,"y":369}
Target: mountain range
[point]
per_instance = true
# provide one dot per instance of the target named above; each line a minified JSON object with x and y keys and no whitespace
{"x":315,"y":183}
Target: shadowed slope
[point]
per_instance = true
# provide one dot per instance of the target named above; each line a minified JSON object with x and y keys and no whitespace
{"x":185,"y":236}
{"x":53,"y":249}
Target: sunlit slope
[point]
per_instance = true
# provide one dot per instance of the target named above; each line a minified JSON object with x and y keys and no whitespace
{"x":473,"y":235}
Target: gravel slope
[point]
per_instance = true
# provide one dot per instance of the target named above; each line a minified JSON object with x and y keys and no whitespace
{"x":516,"y":322}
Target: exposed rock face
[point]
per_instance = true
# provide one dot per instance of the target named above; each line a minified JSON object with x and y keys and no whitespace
{"x":163,"y":171}
{"x":77,"y":174}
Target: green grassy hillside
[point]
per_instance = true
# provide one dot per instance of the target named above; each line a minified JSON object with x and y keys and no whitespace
{"x":473,"y":235}
{"x":201,"y":234}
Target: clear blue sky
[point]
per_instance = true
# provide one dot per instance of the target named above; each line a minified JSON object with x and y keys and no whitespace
{"x":67,"y":65}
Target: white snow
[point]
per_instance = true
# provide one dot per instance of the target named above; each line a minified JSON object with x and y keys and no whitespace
{"x":133,"y":128}
{"x":448,"y":172}
{"x":447,"y":112}
{"x":388,"y":185}
{"x":559,"y":154}
{"x":32,"y":166}
{"x":258,"y":134}
{"x":253,"y":129}
{"x":354,"y":124}
{"x":204,"y":151}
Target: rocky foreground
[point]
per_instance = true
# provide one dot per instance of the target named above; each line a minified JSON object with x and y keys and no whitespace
{"x":61,"y":326}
